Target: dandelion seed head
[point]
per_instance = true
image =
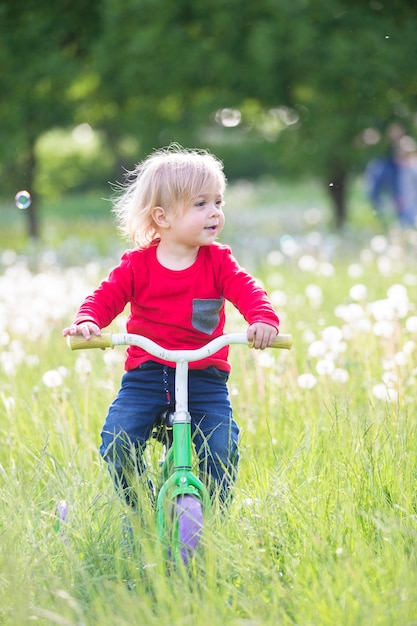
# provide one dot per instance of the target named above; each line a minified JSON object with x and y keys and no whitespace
{"x":411,"y":324}
{"x":390,"y":379}
{"x":382,"y":392}
{"x":340,"y":375}
{"x":325,"y":367}
{"x":358,"y":292}
{"x":4,"y":338}
{"x":409,"y":347}
{"x":366,"y":256}
{"x":32,"y":360}
{"x":384,"y":264}
{"x":383,"y":328}
{"x":379,"y":243}
{"x":347,"y":332}
{"x":278,"y":298}
{"x":113,"y":358}
{"x":9,"y":403}
{"x":309,"y":336}
{"x":350,"y":313}
{"x":400,"y":358}
{"x":275,"y":257}
{"x":307,"y":263}
{"x":317,"y":349}
{"x":306,"y":381}
{"x":331,"y":335}
{"x":8,"y":257}
{"x":381,"y":310}
{"x":275,"y":279}
{"x":355,"y":270}
{"x":398,"y":297}
{"x":397,"y":291}
{"x":289,"y":246}
{"x":364,"y":326}
{"x":410,"y":279}
{"x":313,"y":216}
{"x":395,"y":252}
{"x":326,"y":269}
{"x":388,"y":364}
{"x":52,"y":378}
{"x":106,"y":385}
{"x":83,"y":365}
{"x":265,"y":359}
{"x":314,"y":293}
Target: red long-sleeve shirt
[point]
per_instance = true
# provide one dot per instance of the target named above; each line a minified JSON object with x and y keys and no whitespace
{"x":178,"y":309}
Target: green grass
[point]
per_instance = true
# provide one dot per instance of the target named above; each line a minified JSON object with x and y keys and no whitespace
{"x":323,"y":527}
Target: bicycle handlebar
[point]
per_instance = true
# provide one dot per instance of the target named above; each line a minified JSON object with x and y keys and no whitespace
{"x":109,"y":340}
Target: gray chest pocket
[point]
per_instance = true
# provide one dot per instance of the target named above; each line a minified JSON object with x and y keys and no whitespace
{"x":206,"y":314}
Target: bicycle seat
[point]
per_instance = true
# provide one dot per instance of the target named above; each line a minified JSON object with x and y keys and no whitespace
{"x":162,"y":428}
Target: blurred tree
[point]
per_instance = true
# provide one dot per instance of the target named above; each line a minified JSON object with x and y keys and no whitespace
{"x":352,"y":67}
{"x":306,"y":78}
{"x":42,"y":45}
{"x":310,"y":76}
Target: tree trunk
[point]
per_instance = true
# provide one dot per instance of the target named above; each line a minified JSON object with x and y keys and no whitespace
{"x":337,"y":187}
{"x":32,"y":215}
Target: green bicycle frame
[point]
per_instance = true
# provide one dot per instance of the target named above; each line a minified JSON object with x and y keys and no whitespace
{"x":179,"y":478}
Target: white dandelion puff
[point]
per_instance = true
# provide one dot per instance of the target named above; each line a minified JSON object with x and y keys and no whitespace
{"x":326,"y":269}
{"x":325,"y":367}
{"x":4,"y":338}
{"x":307,"y":381}
{"x":278,"y":298}
{"x":355,"y":270}
{"x":384,"y":264}
{"x":379,"y":243}
{"x":9,"y":403}
{"x":265,"y":359}
{"x":384,"y":329}
{"x":83,"y":365}
{"x":314,"y":294}
{"x":275,"y":257}
{"x":390,"y":379}
{"x":411,"y":324}
{"x":409,"y":347}
{"x":400,"y":358}
{"x":331,"y":335}
{"x":358,"y":292}
{"x":317,"y":349}
{"x":340,"y":375}
{"x":52,"y":378}
{"x":307,"y":263}
{"x":382,"y":392}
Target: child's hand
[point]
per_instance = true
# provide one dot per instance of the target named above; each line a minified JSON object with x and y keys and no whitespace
{"x":86,"y":329}
{"x":262,"y":335}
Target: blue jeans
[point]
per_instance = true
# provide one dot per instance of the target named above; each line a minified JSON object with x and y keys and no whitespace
{"x":144,"y":392}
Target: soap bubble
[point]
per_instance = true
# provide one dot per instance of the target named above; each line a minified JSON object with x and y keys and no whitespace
{"x":23,"y":199}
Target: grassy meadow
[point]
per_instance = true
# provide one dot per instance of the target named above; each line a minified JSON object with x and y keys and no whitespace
{"x":323,"y":527}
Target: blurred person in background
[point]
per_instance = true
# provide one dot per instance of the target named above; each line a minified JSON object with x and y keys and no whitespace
{"x":392,"y":179}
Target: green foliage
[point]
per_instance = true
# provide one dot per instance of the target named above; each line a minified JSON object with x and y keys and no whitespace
{"x":308,"y":78}
{"x":67,"y":165}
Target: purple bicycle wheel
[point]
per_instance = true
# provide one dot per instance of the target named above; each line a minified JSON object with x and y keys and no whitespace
{"x":189,"y":512}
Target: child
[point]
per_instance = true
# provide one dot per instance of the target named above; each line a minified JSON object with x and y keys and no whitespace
{"x":176,"y":281}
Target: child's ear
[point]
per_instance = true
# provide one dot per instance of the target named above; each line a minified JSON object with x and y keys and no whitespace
{"x":159,"y":216}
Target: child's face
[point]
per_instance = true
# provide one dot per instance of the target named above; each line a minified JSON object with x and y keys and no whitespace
{"x":199,"y":223}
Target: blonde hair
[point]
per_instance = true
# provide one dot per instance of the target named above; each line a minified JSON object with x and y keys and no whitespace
{"x":170,"y":178}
